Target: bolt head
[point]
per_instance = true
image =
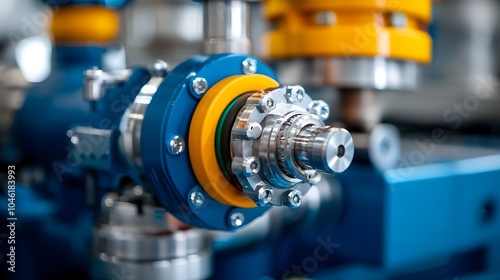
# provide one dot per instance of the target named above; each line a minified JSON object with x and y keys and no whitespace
{"x":75,"y":140}
{"x":249,"y":66}
{"x":294,"y":199}
{"x":253,"y":130}
{"x":160,"y":68}
{"x":295,"y":94}
{"x":325,"y":18}
{"x":313,"y":177}
{"x":177,"y":145}
{"x":266,"y":104}
{"x":265,"y":195}
{"x":109,"y":199}
{"x":237,"y":219}
{"x":320,"y":109}
{"x":137,"y":190}
{"x":197,"y":198}
{"x":251,"y":166}
{"x":399,"y":20}
{"x":200,"y":85}
{"x":93,"y":73}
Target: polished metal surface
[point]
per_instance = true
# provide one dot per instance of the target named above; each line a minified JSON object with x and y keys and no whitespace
{"x":381,"y":146}
{"x":279,"y":147}
{"x":328,"y":149}
{"x":360,"y":109}
{"x":226,"y":26}
{"x":131,"y":123}
{"x":192,"y":267}
{"x":130,"y":244}
{"x":138,"y":239}
{"x":96,"y":80}
{"x":350,"y":72}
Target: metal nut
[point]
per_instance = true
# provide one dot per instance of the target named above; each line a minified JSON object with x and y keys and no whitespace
{"x":320,"y":109}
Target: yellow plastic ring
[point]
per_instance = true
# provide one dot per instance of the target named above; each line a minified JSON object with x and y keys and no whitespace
{"x":202,"y":136}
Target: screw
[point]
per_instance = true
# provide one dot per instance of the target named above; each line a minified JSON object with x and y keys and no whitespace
{"x":398,"y":20}
{"x":294,"y":94}
{"x":160,"y":68}
{"x":253,"y":130}
{"x":294,"y":199}
{"x":237,"y":219}
{"x":177,"y":145}
{"x":249,"y":66}
{"x":75,"y":140}
{"x":325,"y":18}
{"x":313,"y":177}
{"x":319,"y":108}
{"x":300,"y":95}
{"x":197,"y":198}
{"x":93,"y":73}
{"x":251,"y":166}
{"x":266,"y":104}
{"x":200,"y":85}
{"x":109,"y":199}
{"x":137,"y":190}
{"x":265,"y":195}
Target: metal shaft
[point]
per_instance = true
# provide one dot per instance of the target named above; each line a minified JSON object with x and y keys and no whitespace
{"x":327,"y":149}
{"x":226,"y":26}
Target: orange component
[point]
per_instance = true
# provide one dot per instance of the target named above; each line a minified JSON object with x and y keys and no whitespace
{"x":312,"y":28}
{"x":84,"y":24}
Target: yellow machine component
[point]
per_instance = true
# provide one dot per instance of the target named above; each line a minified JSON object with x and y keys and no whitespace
{"x":84,"y":24}
{"x":202,"y":136}
{"x":359,"y":28}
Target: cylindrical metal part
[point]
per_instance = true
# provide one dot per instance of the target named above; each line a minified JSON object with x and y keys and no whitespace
{"x":361,"y":109}
{"x":292,"y":147}
{"x":138,"y":240}
{"x":131,"y":123}
{"x":327,"y":149}
{"x":380,"y":147}
{"x":94,"y":84}
{"x":226,"y":26}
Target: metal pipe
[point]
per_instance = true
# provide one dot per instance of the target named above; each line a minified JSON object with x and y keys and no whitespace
{"x":226,"y":26}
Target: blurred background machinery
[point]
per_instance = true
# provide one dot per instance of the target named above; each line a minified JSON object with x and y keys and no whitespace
{"x":151,"y":141}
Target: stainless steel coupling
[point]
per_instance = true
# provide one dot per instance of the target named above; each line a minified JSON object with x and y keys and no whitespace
{"x":280,"y":146}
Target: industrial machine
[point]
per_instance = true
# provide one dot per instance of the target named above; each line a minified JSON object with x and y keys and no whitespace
{"x":231,"y":150}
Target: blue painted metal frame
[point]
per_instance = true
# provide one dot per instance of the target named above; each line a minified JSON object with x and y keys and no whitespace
{"x":420,"y":214}
{"x":169,"y":114}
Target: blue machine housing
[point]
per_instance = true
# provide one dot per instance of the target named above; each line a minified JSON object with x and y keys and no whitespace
{"x":54,"y":105}
{"x":415,"y":215}
{"x":106,"y":3}
{"x":169,"y":113}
